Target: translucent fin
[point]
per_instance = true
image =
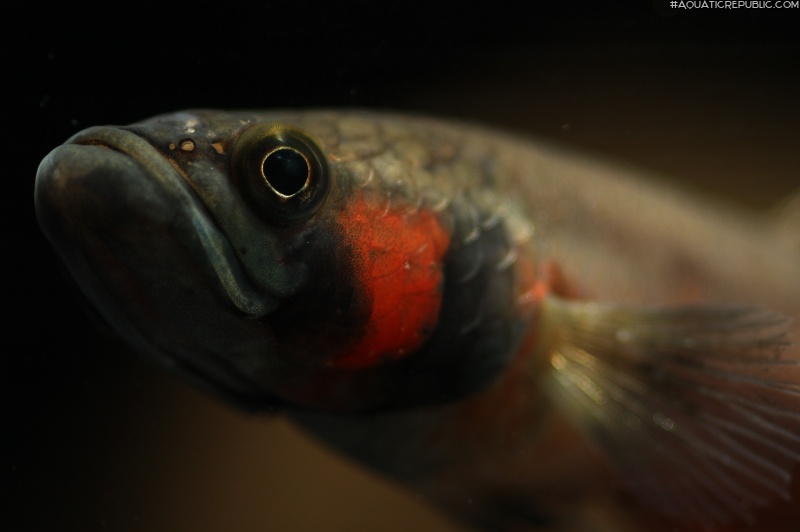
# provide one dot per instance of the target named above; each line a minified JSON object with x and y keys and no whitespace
{"x":788,"y":212}
{"x":694,"y":404}
{"x":788,"y":219}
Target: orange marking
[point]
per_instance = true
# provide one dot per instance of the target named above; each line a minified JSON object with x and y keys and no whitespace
{"x":548,"y":279}
{"x":399,"y":258}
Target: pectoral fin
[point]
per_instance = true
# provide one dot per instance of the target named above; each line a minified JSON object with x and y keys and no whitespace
{"x":695,"y":405}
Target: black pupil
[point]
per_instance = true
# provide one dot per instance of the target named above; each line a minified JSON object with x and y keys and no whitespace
{"x":286,"y":171}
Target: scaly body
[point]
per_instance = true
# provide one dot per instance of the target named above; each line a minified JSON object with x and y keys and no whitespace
{"x":509,"y":330}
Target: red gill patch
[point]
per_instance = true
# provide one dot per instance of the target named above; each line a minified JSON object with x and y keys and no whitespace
{"x":398,"y":261}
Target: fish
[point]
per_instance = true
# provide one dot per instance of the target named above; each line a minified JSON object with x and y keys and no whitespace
{"x":524,"y":337}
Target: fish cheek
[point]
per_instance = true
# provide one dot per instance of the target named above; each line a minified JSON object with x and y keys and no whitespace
{"x":330,"y":313}
{"x":373,"y":297}
{"x":396,"y":258}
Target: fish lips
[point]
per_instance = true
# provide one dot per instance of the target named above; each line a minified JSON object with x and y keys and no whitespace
{"x":116,"y":178}
{"x":146,"y":251}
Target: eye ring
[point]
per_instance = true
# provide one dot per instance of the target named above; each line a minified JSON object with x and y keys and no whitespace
{"x":281,"y":171}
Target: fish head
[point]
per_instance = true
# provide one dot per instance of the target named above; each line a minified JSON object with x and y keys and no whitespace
{"x":274,"y":259}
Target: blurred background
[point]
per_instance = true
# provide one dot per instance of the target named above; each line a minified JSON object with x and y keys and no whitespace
{"x":96,"y":438}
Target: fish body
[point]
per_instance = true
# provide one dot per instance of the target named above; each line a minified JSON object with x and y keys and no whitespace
{"x":526,"y":338}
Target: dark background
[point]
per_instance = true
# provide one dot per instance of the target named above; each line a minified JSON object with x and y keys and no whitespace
{"x":95,"y":438}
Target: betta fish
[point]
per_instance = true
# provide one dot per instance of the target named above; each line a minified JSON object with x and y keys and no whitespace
{"x":525,"y":338}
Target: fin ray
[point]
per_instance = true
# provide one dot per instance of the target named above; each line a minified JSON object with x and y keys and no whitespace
{"x":695,"y":404}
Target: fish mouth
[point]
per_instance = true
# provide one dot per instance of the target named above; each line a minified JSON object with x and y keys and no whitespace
{"x":230,"y":276}
{"x":150,"y":258}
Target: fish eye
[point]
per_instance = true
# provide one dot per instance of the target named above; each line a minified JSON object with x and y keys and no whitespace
{"x":286,"y":171}
{"x":281,"y":170}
